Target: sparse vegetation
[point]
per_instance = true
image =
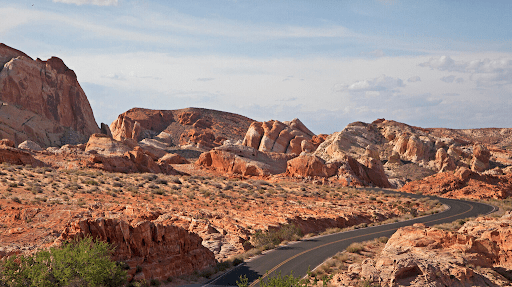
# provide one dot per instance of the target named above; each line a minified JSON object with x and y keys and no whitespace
{"x":234,"y":201}
{"x":77,"y":263}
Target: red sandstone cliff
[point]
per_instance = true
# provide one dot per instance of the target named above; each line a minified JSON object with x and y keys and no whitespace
{"x":42,"y":101}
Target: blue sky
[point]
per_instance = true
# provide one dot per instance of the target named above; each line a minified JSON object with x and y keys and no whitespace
{"x":328,"y":63}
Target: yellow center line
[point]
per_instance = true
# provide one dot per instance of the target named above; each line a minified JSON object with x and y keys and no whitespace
{"x":326,"y":244}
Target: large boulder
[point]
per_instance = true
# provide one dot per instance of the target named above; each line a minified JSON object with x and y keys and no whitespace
{"x":444,"y":162}
{"x":104,"y":144}
{"x":42,"y":101}
{"x":481,"y":156}
{"x":172,"y":158}
{"x":29,"y":145}
{"x":310,"y":165}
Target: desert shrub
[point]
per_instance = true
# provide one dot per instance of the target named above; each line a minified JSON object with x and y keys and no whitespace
{"x":368,"y":283}
{"x":355,"y":247}
{"x":383,"y":239}
{"x":273,"y":237}
{"x":91,"y":182}
{"x":161,"y":181}
{"x":78,"y":263}
{"x":15,"y":199}
{"x":285,"y":281}
{"x":158,"y":191}
{"x":117,"y":184}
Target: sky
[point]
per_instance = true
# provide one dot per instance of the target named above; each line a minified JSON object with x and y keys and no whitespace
{"x":328,"y":63}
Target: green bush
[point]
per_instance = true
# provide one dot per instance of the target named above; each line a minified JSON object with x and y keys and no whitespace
{"x":77,"y":263}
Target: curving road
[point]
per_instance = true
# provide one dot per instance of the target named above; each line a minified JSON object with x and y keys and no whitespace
{"x":309,"y":253}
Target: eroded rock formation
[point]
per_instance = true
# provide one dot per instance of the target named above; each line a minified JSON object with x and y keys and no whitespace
{"x":159,"y":250}
{"x":42,"y":101}
{"x":282,"y":137}
{"x":476,"y":255}
{"x":464,"y":183}
{"x":244,"y":160}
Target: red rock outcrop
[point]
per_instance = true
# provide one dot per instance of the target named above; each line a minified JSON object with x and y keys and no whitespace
{"x":16,"y":156}
{"x":132,"y":161}
{"x":159,"y":250}
{"x":444,"y":162}
{"x":48,"y":90}
{"x":310,"y":165}
{"x":420,"y":256}
{"x":283,"y":137}
{"x":172,"y":158}
{"x":357,"y":146}
{"x":201,"y":127}
{"x":105,"y":145}
{"x":481,"y":156}
{"x":244,"y":160}
{"x":6,"y":142}
{"x":463,"y":183}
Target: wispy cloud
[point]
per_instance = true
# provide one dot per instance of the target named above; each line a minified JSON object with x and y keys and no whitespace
{"x":375,"y":53}
{"x":89,"y":2}
{"x":11,"y":18}
{"x":484,"y":72}
{"x":446,"y":63}
{"x":452,"y":79}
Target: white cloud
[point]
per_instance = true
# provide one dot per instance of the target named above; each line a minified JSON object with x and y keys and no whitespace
{"x":90,"y":2}
{"x":382,"y":83}
{"x":414,"y":79}
{"x":446,"y":63}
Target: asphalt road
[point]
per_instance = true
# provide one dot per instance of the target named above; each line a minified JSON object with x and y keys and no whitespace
{"x":309,"y":253}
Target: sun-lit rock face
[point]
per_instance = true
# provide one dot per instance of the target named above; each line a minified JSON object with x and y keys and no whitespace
{"x":475,"y":255}
{"x":282,"y":137}
{"x":42,"y":101}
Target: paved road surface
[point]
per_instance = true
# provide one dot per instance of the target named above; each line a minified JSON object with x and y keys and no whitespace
{"x":309,"y":253}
